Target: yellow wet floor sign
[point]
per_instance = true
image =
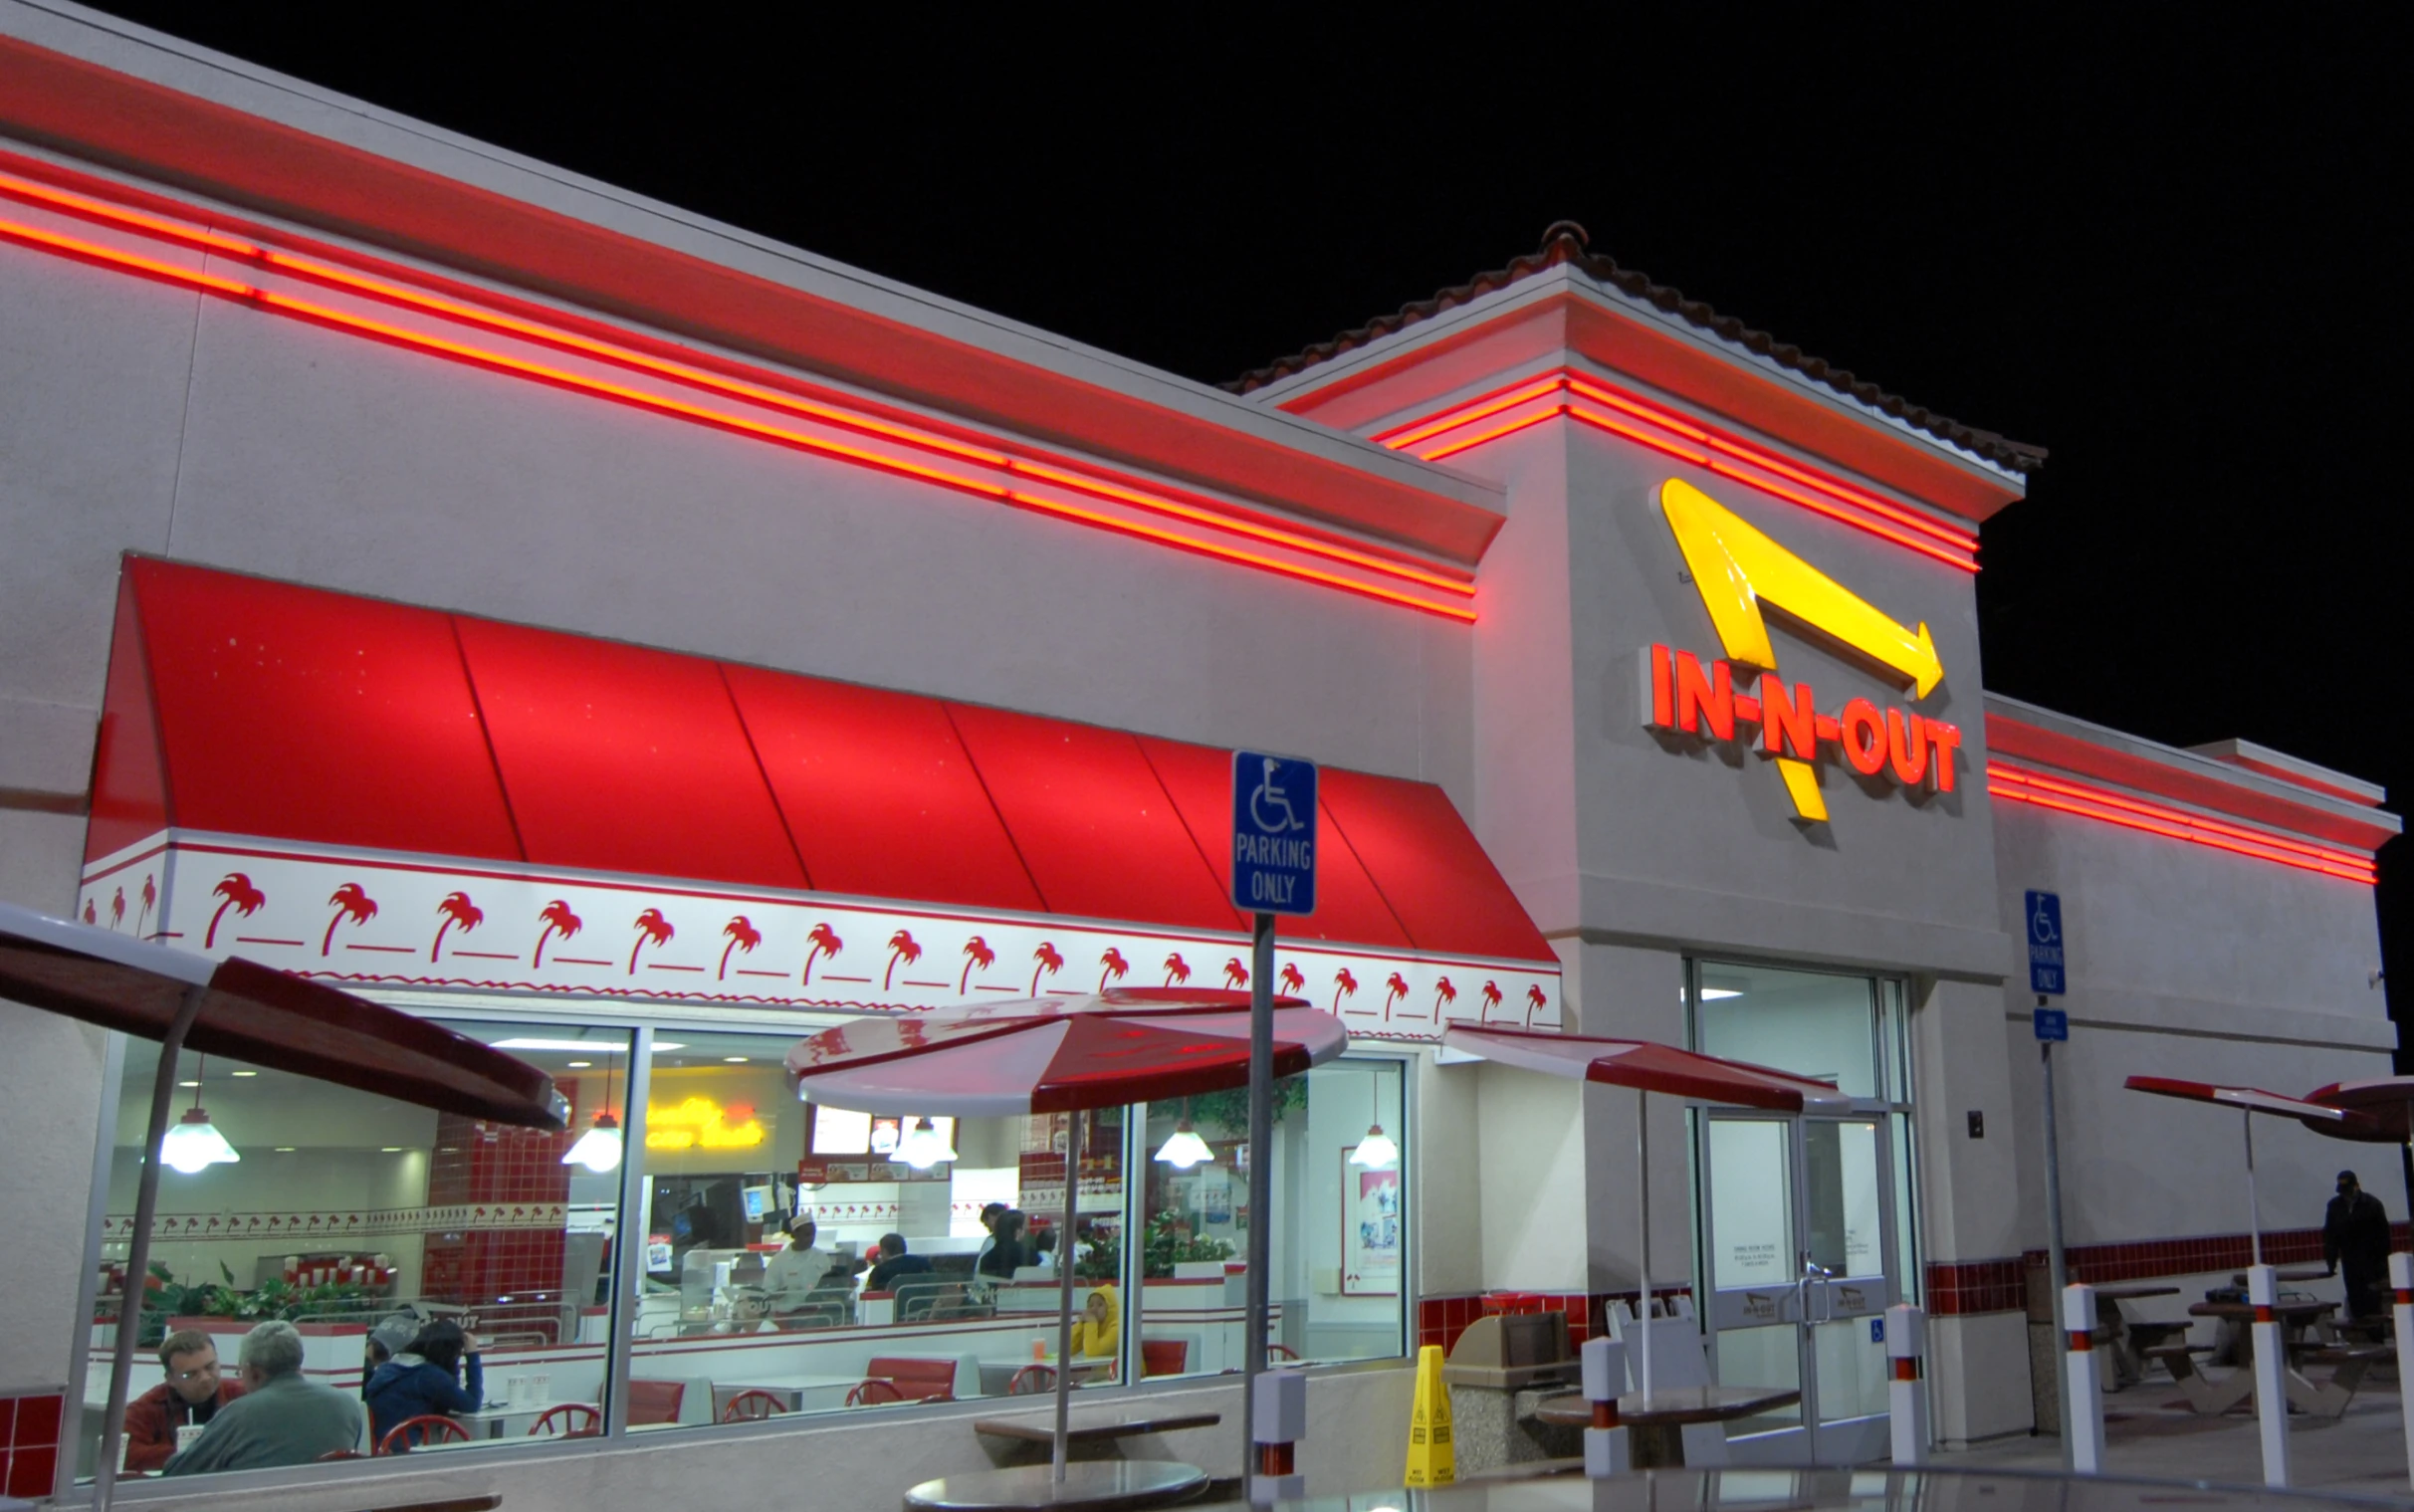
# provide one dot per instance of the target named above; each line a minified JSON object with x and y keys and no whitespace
{"x":1432,"y":1458}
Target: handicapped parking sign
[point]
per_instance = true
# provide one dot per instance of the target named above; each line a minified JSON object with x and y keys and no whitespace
{"x":2042,"y":910}
{"x":1273,"y":834}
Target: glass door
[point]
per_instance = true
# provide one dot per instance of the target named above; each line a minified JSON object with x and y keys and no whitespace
{"x":1797,"y":1227}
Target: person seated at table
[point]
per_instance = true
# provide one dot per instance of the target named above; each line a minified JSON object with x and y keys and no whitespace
{"x":280,"y":1420}
{"x":190,"y":1396}
{"x":1011,"y":1252}
{"x":427,"y":1379}
{"x":384,"y":1342}
{"x":1042,"y":1265}
{"x":1098,"y":1332}
{"x":893,"y":1263}
{"x":796,"y":1271}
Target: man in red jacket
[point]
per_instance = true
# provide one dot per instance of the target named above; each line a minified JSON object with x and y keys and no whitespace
{"x":189,"y":1397}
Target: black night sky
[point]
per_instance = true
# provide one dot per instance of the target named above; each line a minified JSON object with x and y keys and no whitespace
{"x":2161,"y":243}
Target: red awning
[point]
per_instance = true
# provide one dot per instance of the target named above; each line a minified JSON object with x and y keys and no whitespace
{"x":238,"y":705}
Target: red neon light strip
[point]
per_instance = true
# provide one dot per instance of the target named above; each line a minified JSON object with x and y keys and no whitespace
{"x":2096,"y":794}
{"x":1855,"y":505}
{"x":1603,"y":422}
{"x":2112,"y":808}
{"x":1497,"y":432}
{"x":579,"y":382}
{"x":499,"y":322}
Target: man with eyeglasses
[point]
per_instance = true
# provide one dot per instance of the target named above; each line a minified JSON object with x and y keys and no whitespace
{"x":188,"y":1398}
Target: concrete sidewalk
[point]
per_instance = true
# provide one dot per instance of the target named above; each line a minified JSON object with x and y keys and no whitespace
{"x":2362,"y":1453}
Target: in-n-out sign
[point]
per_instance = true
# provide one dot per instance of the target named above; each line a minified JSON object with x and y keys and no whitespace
{"x":1737,"y":572}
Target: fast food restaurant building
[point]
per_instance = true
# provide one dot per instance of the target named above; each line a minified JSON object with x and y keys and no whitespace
{"x":651,"y":643}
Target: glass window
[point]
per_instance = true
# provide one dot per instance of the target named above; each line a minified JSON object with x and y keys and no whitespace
{"x":434,"y":1265}
{"x":1808,"y":1022}
{"x":1338,"y":1233}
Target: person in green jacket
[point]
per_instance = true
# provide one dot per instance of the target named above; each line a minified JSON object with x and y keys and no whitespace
{"x":280,"y":1419}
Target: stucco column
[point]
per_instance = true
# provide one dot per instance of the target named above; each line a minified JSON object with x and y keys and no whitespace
{"x":1630,"y":992}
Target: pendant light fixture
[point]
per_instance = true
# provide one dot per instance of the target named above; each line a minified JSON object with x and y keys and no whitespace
{"x":195,"y":1144}
{"x":598,"y":1150}
{"x":1376,"y":1152}
{"x":1185,"y":1149}
{"x":924,"y":1145}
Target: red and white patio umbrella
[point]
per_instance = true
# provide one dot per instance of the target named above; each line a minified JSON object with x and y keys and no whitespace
{"x":1649,"y":1067}
{"x":2250,"y":1101}
{"x":1055,"y":1055}
{"x":2388,"y":1102}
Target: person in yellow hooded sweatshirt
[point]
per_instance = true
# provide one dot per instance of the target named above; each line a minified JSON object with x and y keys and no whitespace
{"x":1099,"y":1330}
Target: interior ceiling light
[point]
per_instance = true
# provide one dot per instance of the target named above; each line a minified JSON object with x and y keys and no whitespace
{"x":924,"y":1145}
{"x":1376,"y":1152}
{"x":195,"y":1144}
{"x":1185,"y":1149}
{"x":598,"y":1150}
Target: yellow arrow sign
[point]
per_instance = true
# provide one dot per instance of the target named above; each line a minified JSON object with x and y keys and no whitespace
{"x":1738,"y":569}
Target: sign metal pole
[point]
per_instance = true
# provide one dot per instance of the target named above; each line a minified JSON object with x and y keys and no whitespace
{"x":1262,"y":1163}
{"x":2046,"y":978}
{"x":2057,"y":1275}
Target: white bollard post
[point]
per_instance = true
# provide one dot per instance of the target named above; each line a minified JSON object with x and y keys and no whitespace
{"x":1605,"y":1449}
{"x":2078,"y":1379}
{"x":1907,"y":1394}
{"x":1280,"y":1406}
{"x":2401,"y":1282}
{"x":2270,"y":1386}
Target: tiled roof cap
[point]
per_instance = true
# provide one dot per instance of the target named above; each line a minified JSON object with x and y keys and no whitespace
{"x":1567,"y":242}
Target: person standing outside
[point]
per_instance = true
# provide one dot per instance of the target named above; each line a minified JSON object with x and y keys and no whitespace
{"x":2355,"y":1235}
{"x":280,"y":1420}
{"x":189,"y":1397}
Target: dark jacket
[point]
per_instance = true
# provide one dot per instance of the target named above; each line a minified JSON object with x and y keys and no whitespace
{"x":884,"y":1275}
{"x":407,"y":1387}
{"x":152,"y":1419}
{"x":2356,"y":1233}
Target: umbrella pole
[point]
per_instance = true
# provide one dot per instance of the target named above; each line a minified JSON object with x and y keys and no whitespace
{"x":1642,"y":1262}
{"x":1066,"y":1251}
{"x":2253,"y":1209}
{"x":2405,"y":1159}
{"x":139,"y":1248}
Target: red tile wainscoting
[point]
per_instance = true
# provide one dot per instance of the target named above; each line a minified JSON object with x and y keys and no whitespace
{"x":2001,"y":1286}
{"x":29,"y":1443}
{"x":1441,"y":1320}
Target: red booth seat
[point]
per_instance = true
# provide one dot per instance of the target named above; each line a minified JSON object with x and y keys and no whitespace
{"x":917,"y":1378}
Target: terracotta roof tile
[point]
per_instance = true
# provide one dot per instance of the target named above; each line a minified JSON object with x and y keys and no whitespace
{"x":1566,"y":241}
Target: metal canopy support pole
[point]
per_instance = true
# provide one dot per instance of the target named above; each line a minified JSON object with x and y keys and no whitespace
{"x":1261,"y":1172}
{"x":1064,"y":1293}
{"x":1642,"y":1258}
{"x":2058,"y":1278}
{"x":628,"y":1246}
{"x":2253,"y":1209}
{"x":139,"y":1248}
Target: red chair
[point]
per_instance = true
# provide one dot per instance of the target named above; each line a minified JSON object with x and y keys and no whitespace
{"x":335,"y":1454}
{"x":655,"y":1402}
{"x":572,"y":1420}
{"x":1032,"y":1380}
{"x":874,"y":1393}
{"x":754,"y":1406}
{"x":1164,"y":1356}
{"x":1281,"y":1351}
{"x":414,"y":1432}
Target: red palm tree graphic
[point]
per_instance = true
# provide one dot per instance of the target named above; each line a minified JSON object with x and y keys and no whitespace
{"x":1112,"y":965}
{"x":1442,"y":992}
{"x":824,"y":942}
{"x":649,"y":924}
{"x":1049,"y":964}
{"x":1491,"y":1001}
{"x":1535,"y":1000}
{"x":117,"y":909}
{"x":456,"y":911}
{"x":742,"y":936}
{"x":348,"y":902}
{"x":240,"y":896}
{"x":1344,"y":986}
{"x":1290,"y":979}
{"x":1176,"y":968}
{"x":902,"y":947}
{"x":150,"y":900}
{"x":976,"y":953}
{"x":558,"y":920}
{"x":1393,"y":990}
{"x":90,"y":914}
{"x":1234,"y":974}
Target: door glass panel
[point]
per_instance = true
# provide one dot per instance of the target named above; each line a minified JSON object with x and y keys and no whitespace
{"x":1842,"y":1166}
{"x":1751,"y":1205}
{"x":1851,"y":1370}
{"x":1770,"y":1357}
{"x":1808,"y":1022}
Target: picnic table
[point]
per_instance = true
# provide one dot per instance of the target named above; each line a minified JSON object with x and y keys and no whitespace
{"x":2324,"y":1399}
{"x":2130,"y":1339}
{"x":2294,"y":1319}
{"x":1656,"y":1438}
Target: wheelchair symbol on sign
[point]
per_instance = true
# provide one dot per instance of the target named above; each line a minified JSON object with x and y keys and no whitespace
{"x":1267,"y":796}
{"x":2041,"y":926}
